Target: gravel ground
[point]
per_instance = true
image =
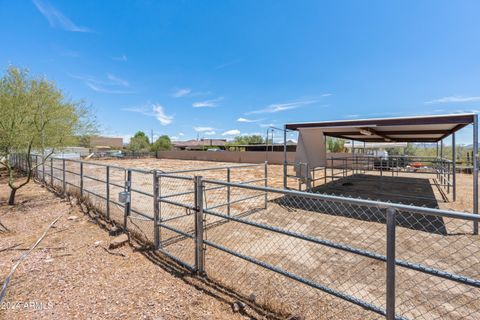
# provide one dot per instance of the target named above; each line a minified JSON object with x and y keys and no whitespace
{"x":70,"y":274}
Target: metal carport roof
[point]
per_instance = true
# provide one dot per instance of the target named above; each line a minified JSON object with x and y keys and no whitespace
{"x":432,"y":128}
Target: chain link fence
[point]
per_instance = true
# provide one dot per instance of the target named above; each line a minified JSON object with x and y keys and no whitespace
{"x":293,"y":252}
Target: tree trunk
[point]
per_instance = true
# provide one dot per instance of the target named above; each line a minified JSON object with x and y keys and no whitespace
{"x":11,"y":200}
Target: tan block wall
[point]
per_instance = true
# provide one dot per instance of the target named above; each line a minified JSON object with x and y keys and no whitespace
{"x":106,"y":141}
{"x":228,"y":156}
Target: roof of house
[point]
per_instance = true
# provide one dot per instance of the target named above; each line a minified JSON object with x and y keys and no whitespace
{"x":431,"y":128}
{"x":200,"y":143}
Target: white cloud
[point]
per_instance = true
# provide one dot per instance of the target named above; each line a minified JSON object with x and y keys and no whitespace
{"x":227,"y":64}
{"x":277,"y":107}
{"x":203,"y":129}
{"x":267,"y":125}
{"x":155,"y":110}
{"x":56,"y":18}
{"x":232,"y":132}
{"x":453,"y":99}
{"x":181,"y":134}
{"x":246,"y":120}
{"x":161,"y":116}
{"x":207,"y":103}
{"x":209,"y":133}
{"x":120,"y":58}
{"x":117,"y":80}
{"x":203,"y":104}
{"x":326,"y":95}
{"x":112,"y":84}
{"x":252,"y":134}
{"x":101,"y":89}
{"x":182,"y":92}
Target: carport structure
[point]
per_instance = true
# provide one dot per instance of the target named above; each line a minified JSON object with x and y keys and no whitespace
{"x":425,"y":129}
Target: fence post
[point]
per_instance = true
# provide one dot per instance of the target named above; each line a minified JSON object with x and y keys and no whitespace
{"x":199,"y":252}
{"x":81,"y":179}
{"x":332,"y":168}
{"x":43,"y":168}
{"x":228,"y":191}
{"x":266,"y":183}
{"x":108,"y":191}
{"x":307,"y":176}
{"x":51,"y":172}
{"x":325,"y":173}
{"x":36,"y":166}
{"x":448,"y":177}
{"x":128,"y":188}
{"x":156,"y":211}
{"x":391,"y":212}
{"x":64,"y":177}
{"x":300,"y":179}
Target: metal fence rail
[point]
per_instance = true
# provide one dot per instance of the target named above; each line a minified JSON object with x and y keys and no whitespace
{"x":336,"y":168}
{"x":292,"y":251}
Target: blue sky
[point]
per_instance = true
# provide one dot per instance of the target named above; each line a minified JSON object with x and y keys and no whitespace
{"x":224,"y":68}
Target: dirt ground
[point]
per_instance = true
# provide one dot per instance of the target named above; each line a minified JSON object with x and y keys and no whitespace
{"x":463,"y":203}
{"x":446,"y":244}
{"x":70,"y":275}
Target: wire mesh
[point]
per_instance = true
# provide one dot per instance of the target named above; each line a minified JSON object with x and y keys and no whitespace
{"x":341,"y":245}
{"x":177,"y":217}
{"x":141,"y":215}
{"x":293,"y":252}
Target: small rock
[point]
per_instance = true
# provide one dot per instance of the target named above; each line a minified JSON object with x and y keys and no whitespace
{"x":252,"y":297}
{"x":295,"y":317}
{"x":97,"y":243}
{"x":118,"y":241}
{"x":49,"y":260}
{"x":114,"y":231}
{"x":238,"y":306}
{"x":72,"y":218}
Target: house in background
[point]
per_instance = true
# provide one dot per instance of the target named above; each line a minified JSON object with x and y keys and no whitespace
{"x":199,"y":145}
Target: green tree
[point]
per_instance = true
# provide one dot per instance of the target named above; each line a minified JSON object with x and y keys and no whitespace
{"x":35,"y":117}
{"x":162,"y":143}
{"x":139,"y":142}
{"x":335,"y":144}
{"x":252,"y":139}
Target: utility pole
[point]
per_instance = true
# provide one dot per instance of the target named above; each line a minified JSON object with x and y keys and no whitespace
{"x":151,"y":134}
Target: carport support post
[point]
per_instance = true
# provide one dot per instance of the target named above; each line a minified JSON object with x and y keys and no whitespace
{"x":156,"y":211}
{"x":285,"y":156}
{"x":199,"y":253}
{"x":442,"y":164}
{"x":390,"y":264}
{"x":475,"y":171}
{"x":454,"y":168}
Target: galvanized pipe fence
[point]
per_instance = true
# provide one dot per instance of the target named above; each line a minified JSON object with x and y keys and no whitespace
{"x":341,"y":167}
{"x":310,"y":252}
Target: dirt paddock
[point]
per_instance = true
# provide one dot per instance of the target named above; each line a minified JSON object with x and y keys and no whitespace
{"x":440,"y":244}
{"x":464,"y":200}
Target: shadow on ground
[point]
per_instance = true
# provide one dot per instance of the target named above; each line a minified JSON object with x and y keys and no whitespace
{"x":411,"y":191}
